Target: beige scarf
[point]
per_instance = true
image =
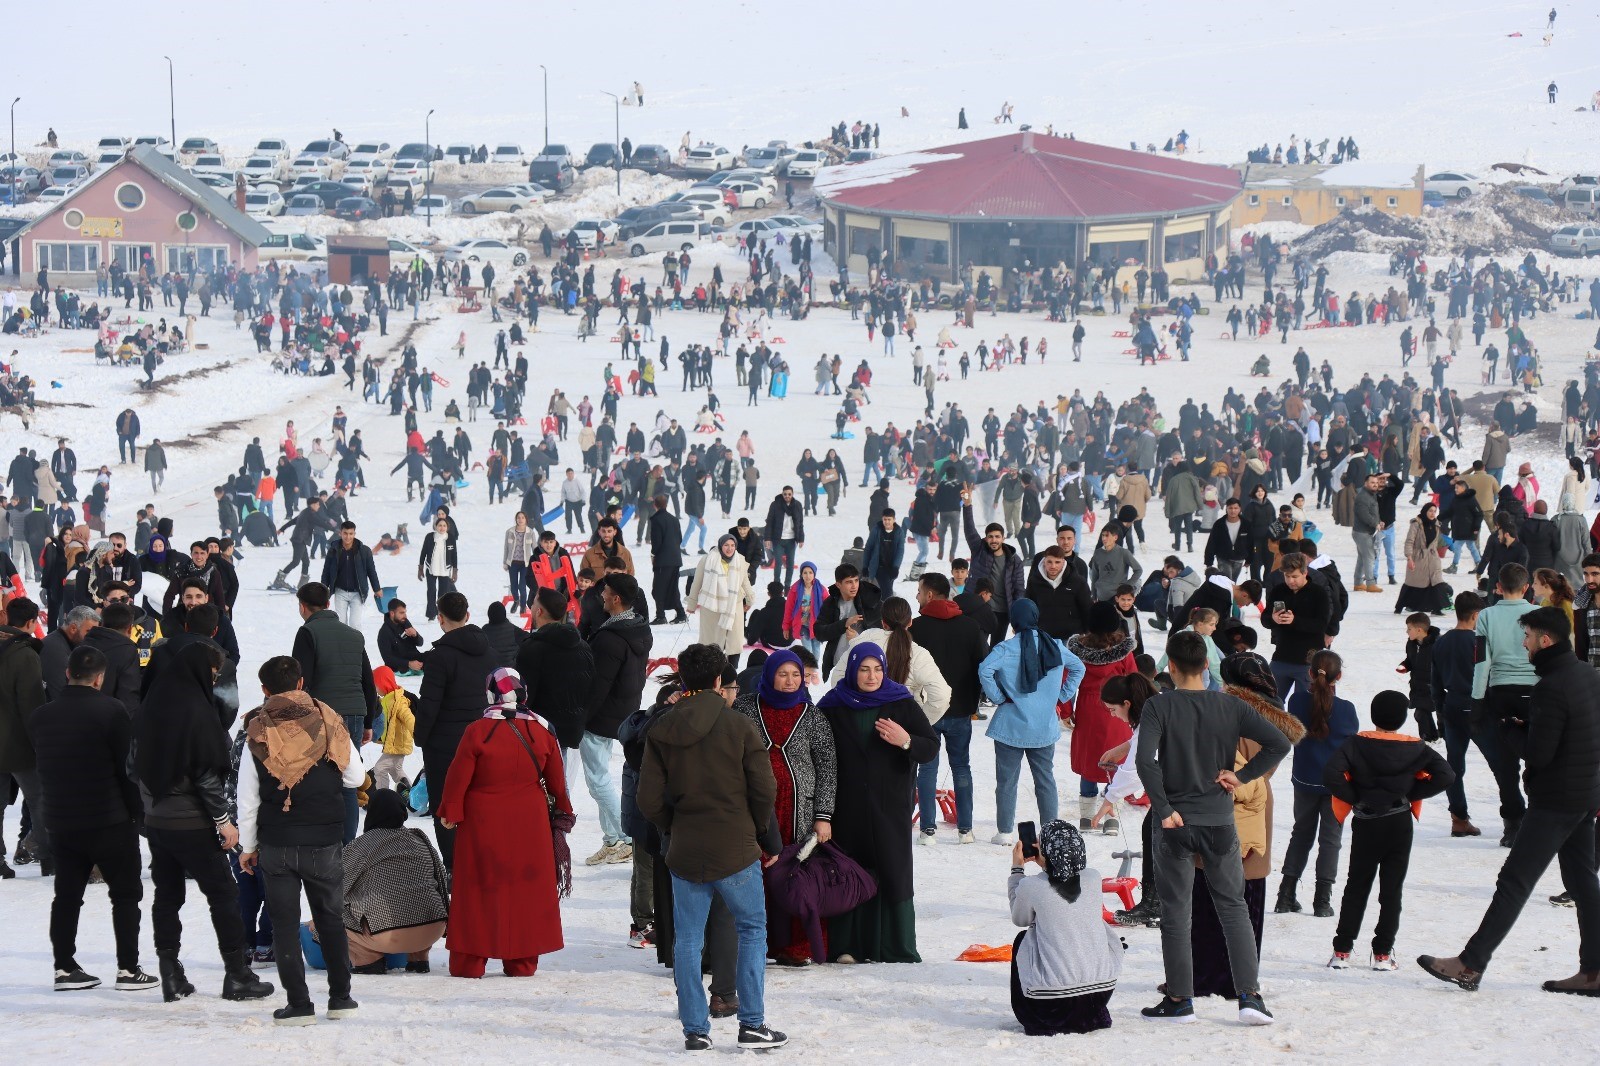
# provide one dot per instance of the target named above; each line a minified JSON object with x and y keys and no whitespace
{"x":291,"y":733}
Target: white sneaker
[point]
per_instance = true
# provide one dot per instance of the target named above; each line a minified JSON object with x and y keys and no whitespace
{"x":927,"y":839}
{"x":966,"y":838}
{"x":621,"y":851}
{"x":1005,"y":840}
{"x":1340,"y":960}
{"x":1384,"y":962}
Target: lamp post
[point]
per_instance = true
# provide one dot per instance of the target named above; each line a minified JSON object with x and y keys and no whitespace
{"x":14,"y":150}
{"x":427,"y":175}
{"x":546,"y":103}
{"x":616,"y":162}
{"x":172,"y":108}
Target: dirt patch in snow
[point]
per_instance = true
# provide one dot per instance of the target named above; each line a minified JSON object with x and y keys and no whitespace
{"x":160,"y":384}
{"x":1497,"y":221}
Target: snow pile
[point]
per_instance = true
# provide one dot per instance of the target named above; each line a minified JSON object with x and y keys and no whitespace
{"x":1496,"y":221}
{"x":876,"y":171}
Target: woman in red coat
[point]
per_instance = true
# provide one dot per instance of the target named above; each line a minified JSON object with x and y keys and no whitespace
{"x":511,"y":868}
{"x":1106,"y":650}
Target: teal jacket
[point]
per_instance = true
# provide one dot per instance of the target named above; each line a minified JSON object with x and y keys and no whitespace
{"x":1500,"y":658}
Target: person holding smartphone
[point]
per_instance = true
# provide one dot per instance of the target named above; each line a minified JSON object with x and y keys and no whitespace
{"x":1066,"y":961}
{"x":1299,"y":623}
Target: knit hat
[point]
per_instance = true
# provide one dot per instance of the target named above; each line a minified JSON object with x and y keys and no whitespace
{"x":1105,"y":618}
{"x":1248,"y":670}
{"x":1389,"y":709}
{"x":1062,"y":847}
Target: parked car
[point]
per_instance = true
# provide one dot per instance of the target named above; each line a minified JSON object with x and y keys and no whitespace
{"x":509,"y":153}
{"x":501,"y":199}
{"x":320,"y":165}
{"x":1576,"y":240}
{"x":591,"y":232}
{"x":1580,"y":181}
{"x":109,"y":157}
{"x":210,"y":164}
{"x":273,"y":148}
{"x":328,"y":148}
{"x":759,"y":229}
{"x":263,"y":168}
{"x":160,"y":144}
{"x":717,"y":180}
{"x":709,"y":202}
{"x":1534,"y":193}
{"x":223,"y":183}
{"x":862,"y":155}
{"x":746,"y":194}
{"x":66,"y":157}
{"x":358,"y":183}
{"x":1433,"y":198}
{"x":650,"y":158}
{"x":69,"y":176}
{"x":767,"y":160}
{"x":118,"y":144}
{"x":197,"y":146}
{"x":27,"y":179}
{"x":708,"y":159}
{"x":373,"y":169}
{"x":357,"y":208}
{"x":370,"y":150}
{"x":402,"y":252}
{"x":553,"y":172}
{"x":293,"y":245}
{"x":421,"y":169}
{"x":667,"y":237}
{"x":329,"y":192}
{"x":1457,"y":184}
{"x":489,"y":249}
{"x":305,"y":203}
{"x":1584,"y":199}
{"x":798,"y":224}
{"x":264,"y":203}
{"x":433,"y":205}
{"x":400,"y":182}
{"x":602,"y":154}
{"x":805,"y":163}
{"x":560,"y":150}
{"x":55,"y":194}
{"x":534,"y":191}
{"x":638,"y":219}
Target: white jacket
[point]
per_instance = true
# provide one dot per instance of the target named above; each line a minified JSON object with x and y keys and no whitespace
{"x":926,"y":683}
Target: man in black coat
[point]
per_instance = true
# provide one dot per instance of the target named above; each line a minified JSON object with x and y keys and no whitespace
{"x":621,"y":647}
{"x":1067,"y":541}
{"x":1298,"y":616}
{"x":748,"y":543}
{"x":1062,"y":596}
{"x":113,"y":639}
{"x":450,"y":698}
{"x":557,"y":666}
{"x":349,"y":573}
{"x":785,"y":533}
{"x":1222,"y":596}
{"x":851,"y":607}
{"x":958,"y":645}
{"x":91,"y":808}
{"x":1560,"y":745}
{"x":399,"y":643}
{"x":666,"y":561}
{"x":1540,"y":536}
{"x":1229,"y":545}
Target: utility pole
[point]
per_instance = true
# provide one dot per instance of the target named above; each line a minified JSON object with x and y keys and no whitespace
{"x":172,"y":105}
{"x":616,"y":163}
{"x":546,"y":103}
{"x":427,"y":175}
{"x":14,"y":150}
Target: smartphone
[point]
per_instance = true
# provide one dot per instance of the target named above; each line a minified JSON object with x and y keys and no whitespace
{"x":1277,"y":606}
{"x":1028,"y":833}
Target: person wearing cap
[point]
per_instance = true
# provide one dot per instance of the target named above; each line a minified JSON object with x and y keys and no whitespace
{"x":1066,"y":961}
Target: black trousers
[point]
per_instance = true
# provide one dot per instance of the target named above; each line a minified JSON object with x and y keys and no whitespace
{"x":664,"y":590}
{"x":435,"y":766}
{"x":115,"y":849}
{"x":1379,"y":848}
{"x":320,"y":872}
{"x":1568,"y":837}
{"x":1498,"y":742}
{"x":179,"y":853}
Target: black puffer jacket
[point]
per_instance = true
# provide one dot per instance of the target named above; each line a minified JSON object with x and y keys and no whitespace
{"x":122,"y":666}
{"x":558,"y":668}
{"x":621,"y":647}
{"x":1561,"y":743}
{"x":504,"y":639}
{"x":452,"y":695}
{"x":1382,"y":774}
{"x":1540,"y":536}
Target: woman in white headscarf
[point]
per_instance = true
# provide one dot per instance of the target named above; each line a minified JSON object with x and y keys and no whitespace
{"x":721,"y":595}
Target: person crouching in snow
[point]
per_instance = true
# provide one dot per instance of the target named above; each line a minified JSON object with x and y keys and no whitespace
{"x":1065,"y":963}
{"x":1380,"y":777}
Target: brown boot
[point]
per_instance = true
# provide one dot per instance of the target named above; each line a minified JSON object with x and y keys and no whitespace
{"x":1461,"y":827}
{"x":1452,"y":970}
{"x":1582,"y":983}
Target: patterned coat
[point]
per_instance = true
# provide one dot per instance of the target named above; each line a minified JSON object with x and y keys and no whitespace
{"x":812,"y":761}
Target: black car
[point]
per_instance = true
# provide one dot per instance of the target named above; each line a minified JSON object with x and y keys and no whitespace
{"x":356,"y":208}
{"x":602,"y":155}
{"x":552,"y":172}
{"x":651,"y":158}
{"x":329,"y":192}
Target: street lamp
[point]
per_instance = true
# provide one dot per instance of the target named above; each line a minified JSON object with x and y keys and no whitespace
{"x":172,"y":111}
{"x":546,"y":103}
{"x":616,"y":102}
{"x":427,"y":175}
{"x":14,"y":151}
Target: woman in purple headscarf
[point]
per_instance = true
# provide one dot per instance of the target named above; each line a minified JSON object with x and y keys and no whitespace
{"x":880,"y":736}
{"x":800,"y":745}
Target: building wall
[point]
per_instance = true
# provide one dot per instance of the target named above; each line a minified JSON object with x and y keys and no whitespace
{"x":153,"y":224}
{"x":1314,"y":205}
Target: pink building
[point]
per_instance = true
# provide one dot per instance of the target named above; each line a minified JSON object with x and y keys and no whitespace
{"x":134,"y":212}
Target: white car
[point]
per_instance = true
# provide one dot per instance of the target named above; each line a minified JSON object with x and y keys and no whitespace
{"x":66,"y":157}
{"x":109,"y":157}
{"x":747,"y":193}
{"x":371,"y":150}
{"x":197,"y":146}
{"x":119,"y":144}
{"x":209,"y":164}
{"x":420,"y":168}
{"x":708,"y":159}
{"x":759,"y":229}
{"x":160,"y":144}
{"x":432,"y":205}
{"x":768,"y":160}
{"x":402,"y":252}
{"x":666,"y":237}
{"x":459,"y":153}
{"x":70,"y":176}
{"x":222,"y":182}
{"x":805,"y":163}
{"x":55,"y":194}
{"x":509,"y":153}
{"x":263,"y":168}
{"x":359,"y":184}
{"x":1576,"y":240}
{"x":319,"y":166}
{"x":264,"y":203}
{"x":713,"y":209}
{"x":331,"y":149}
{"x":374,"y":169}
{"x":798,"y":224}
{"x":1451,"y":184}
{"x":1579,"y":181}
{"x":399,"y":182}
{"x":590,"y":232}
{"x":485,"y":249}
{"x":273,"y":148}
{"x":292,"y":246}
{"x":501,"y":199}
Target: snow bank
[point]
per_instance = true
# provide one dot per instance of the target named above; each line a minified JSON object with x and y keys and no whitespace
{"x":1496,"y":221}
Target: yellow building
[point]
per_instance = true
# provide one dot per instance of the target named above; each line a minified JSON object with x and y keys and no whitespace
{"x":1315,"y":193}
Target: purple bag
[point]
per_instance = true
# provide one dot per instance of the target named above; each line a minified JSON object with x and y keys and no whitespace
{"x":812,"y":881}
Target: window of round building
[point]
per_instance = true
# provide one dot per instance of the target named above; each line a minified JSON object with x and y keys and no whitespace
{"x":72,"y":218}
{"x":130,"y":197}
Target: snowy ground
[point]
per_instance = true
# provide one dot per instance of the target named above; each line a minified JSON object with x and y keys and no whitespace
{"x":602,"y":999}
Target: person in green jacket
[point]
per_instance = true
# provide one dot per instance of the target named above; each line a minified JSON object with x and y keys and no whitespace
{"x":1502,"y":683}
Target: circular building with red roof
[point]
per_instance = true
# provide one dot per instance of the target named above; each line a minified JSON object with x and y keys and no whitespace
{"x":1025,"y":201}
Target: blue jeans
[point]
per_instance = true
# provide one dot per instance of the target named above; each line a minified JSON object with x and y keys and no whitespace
{"x":695,"y":521}
{"x":922,"y":547}
{"x":519,"y":585}
{"x":1290,"y":674}
{"x":1073,"y":522}
{"x":1386,"y":539}
{"x":957,"y":734}
{"x":252,"y":905}
{"x":746,"y":897}
{"x":1456,"y":546}
{"x":870,"y":474}
{"x":1007,"y":773}
{"x":596,"y":754}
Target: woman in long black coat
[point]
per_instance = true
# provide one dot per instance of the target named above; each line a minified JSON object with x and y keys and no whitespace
{"x":881,"y":736}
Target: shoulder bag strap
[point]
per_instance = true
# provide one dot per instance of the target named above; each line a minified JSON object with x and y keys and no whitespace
{"x":537,"y":769}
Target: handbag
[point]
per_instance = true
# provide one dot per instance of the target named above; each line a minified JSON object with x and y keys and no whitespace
{"x":560,"y":821}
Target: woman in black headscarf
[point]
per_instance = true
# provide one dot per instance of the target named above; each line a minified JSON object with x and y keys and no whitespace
{"x":181,"y":759}
{"x":395,"y":899}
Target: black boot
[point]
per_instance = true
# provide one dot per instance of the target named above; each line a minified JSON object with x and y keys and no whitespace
{"x":1322,"y":902}
{"x":174,"y":983}
{"x":241,"y":982}
{"x":1286,"y":904}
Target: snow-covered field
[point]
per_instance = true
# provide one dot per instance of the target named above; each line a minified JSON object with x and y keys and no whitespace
{"x":747,"y":73}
